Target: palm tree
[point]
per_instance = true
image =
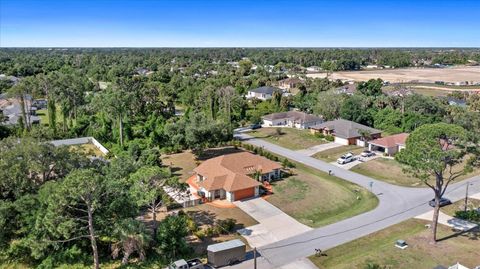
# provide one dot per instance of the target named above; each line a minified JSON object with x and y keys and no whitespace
{"x":131,"y":236}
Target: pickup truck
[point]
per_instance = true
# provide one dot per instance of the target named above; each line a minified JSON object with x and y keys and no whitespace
{"x":183,"y":264}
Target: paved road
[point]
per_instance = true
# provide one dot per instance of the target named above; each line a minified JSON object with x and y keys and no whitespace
{"x":396,"y":204}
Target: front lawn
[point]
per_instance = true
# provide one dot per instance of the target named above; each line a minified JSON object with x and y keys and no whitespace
{"x":460,"y":206}
{"x":331,"y":155}
{"x":391,"y":171}
{"x":291,"y":138}
{"x":378,"y":248}
{"x":316,"y":199}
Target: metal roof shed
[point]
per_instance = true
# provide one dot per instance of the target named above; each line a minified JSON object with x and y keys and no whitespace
{"x":226,"y":253}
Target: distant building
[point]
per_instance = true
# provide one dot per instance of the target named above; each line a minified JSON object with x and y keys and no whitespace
{"x":313,"y":69}
{"x":457,"y":102}
{"x":346,"y":132}
{"x":348,"y":89}
{"x":289,"y":83}
{"x":262,"y":93}
{"x":294,"y":119}
{"x":12,"y":110}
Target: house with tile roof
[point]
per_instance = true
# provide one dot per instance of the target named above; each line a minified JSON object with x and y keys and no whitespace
{"x":231,"y":176}
{"x":347,"y":132}
{"x":389,"y":144}
{"x":293,"y":119}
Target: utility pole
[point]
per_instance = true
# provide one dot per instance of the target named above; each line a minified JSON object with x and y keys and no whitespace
{"x":254,"y":258}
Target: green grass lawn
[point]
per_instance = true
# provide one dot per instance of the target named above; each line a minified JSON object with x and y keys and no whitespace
{"x":316,"y":199}
{"x":333,"y":154}
{"x":460,"y":205}
{"x":391,"y":171}
{"x":290,"y":138}
{"x":44,"y":120}
{"x":378,"y":248}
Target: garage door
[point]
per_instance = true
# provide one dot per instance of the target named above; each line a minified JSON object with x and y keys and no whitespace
{"x":246,"y":193}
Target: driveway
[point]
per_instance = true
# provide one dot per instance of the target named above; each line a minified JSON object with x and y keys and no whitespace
{"x":318,"y":148}
{"x":274,"y":224}
{"x":358,"y":160}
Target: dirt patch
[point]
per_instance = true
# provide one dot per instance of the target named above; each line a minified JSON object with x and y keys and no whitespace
{"x":403,"y":75}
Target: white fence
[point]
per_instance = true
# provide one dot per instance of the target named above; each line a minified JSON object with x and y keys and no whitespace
{"x":80,"y":141}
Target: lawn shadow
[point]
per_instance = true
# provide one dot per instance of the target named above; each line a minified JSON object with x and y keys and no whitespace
{"x":215,"y":152}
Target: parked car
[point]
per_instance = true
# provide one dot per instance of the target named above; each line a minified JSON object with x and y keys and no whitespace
{"x":367,"y":153}
{"x":190,"y":264}
{"x":255,"y":126}
{"x":346,"y":158}
{"x":443,"y":202}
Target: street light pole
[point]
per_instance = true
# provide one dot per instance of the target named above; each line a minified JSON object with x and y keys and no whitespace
{"x":254,"y":258}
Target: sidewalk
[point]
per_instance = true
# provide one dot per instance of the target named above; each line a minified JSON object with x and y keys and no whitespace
{"x":457,"y":224}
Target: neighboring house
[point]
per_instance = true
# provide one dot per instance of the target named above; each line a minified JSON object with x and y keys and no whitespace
{"x":313,"y":69}
{"x":457,"y":102}
{"x":389,"y":144}
{"x":346,"y":132}
{"x":262,"y":93}
{"x":12,"y":110}
{"x":348,"y":89}
{"x":289,"y":83}
{"x":230,"y":176}
{"x":294,"y":119}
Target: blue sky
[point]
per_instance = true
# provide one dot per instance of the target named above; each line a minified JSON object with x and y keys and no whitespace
{"x":239,"y":23}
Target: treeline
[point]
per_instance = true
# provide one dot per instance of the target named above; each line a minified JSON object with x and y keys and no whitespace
{"x":59,"y":207}
{"x":103,"y":64}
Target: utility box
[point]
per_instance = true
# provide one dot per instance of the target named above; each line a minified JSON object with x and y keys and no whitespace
{"x":226,"y":253}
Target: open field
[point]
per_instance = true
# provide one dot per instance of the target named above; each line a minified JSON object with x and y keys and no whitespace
{"x":390,"y":171}
{"x":316,"y":199}
{"x":290,"y":138}
{"x":331,"y":155}
{"x":378,"y":248}
{"x":451,"y":74}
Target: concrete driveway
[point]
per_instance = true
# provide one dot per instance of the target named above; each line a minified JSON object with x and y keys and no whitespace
{"x":318,"y":148}
{"x":358,"y":160}
{"x":274,"y":224}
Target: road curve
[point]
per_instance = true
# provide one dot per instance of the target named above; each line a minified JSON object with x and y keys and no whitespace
{"x":396,"y":204}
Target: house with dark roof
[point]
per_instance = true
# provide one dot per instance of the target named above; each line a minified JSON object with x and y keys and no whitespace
{"x":11,"y":108}
{"x":389,"y":144}
{"x":293,"y":119}
{"x":262,"y":93}
{"x":347,"y":132}
{"x":231,"y":176}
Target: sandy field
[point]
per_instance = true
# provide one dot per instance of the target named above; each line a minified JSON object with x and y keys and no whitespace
{"x":426,"y":75}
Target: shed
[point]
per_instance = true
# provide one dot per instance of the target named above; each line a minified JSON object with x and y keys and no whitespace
{"x":226,"y":253}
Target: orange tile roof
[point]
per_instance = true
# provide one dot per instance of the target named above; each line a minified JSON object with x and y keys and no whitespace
{"x":230,"y":172}
{"x":390,"y":141}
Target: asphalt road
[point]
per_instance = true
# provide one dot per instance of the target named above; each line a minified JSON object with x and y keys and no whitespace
{"x":396,"y":204}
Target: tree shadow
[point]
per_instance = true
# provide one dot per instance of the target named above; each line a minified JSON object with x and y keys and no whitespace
{"x":472,"y":234}
{"x":215,"y":152}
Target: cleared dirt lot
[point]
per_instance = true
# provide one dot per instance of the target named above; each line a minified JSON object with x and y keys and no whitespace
{"x":451,"y":74}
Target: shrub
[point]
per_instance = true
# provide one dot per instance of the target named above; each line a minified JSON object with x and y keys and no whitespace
{"x":226,"y":225}
{"x":319,"y":135}
{"x":329,"y":138}
{"x":200,"y":234}
{"x":469,"y":215}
